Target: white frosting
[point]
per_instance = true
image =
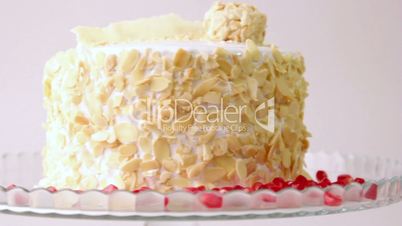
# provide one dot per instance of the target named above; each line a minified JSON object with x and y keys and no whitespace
{"x":172,"y":46}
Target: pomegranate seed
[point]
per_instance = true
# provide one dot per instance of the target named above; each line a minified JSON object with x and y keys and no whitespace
{"x":272,"y":187}
{"x":216,"y":189}
{"x":166,"y":201}
{"x":145,"y":188}
{"x":371,"y":193}
{"x":226,"y":189}
{"x":331,"y":199}
{"x":359,"y":180}
{"x":344,"y":179}
{"x":324,"y":183}
{"x":11,"y":186}
{"x":201,"y":188}
{"x":279,"y":181}
{"x":311,"y":183}
{"x":192,"y":189}
{"x":257,"y":186}
{"x":211,"y":200}
{"x":301,"y":179}
{"x":299,"y":186}
{"x":268,"y":198}
{"x":142,"y":189}
{"x":299,"y":183}
{"x":238,"y":187}
{"x":321,"y":175}
{"x":51,"y":189}
{"x":110,"y":188}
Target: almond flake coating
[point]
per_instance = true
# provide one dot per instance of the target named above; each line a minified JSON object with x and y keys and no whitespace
{"x":235,"y":22}
{"x":100,"y":129}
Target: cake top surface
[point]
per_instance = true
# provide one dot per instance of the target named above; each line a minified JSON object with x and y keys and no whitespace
{"x":223,"y":22}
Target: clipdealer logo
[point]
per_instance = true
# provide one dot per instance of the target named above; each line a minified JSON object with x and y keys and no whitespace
{"x":269,"y":105}
{"x":184,"y":115}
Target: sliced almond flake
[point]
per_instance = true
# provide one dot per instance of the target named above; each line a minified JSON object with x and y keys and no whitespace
{"x":220,"y":147}
{"x":290,"y":138}
{"x":81,"y":137}
{"x":249,"y":150}
{"x":261,"y":156}
{"x":161,"y":149}
{"x":230,"y":175}
{"x":76,"y":99}
{"x":179,"y":182}
{"x":195,"y":170}
{"x":241,"y":169}
{"x":206,"y":153}
{"x":187,"y":160}
{"x":224,"y":66}
{"x":98,"y":149}
{"x":164,"y":177}
{"x":252,"y":87}
{"x":277,"y":55}
{"x":170,"y":165}
{"x":233,"y":144}
{"x":159,"y":83}
{"x":89,"y":182}
{"x":129,"y":181}
{"x":126,"y":132}
{"x":252,"y":50}
{"x":149,"y":165}
{"x":283,"y":87}
{"x":70,"y":81}
{"x":189,"y":74}
{"x":82,"y":120}
{"x":127,"y":149}
{"x":275,"y":138}
{"x":260,"y":75}
{"x":235,"y":72}
{"x":222,"y":52}
{"x":112,"y":137}
{"x":147,"y":156}
{"x":117,"y":101}
{"x":145,"y":144}
{"x":119,"y":82}
{"x":205,"y":86}
{"x":286,"y":158}
{"x":181,"y":58}
{"x":139,"y":70}
{"x":110,"y":63}
{"x":181,"y":149}
{"x":212,"y":97}
{"x":205,"y":138}
{"x":132,"y":165}
{"x":128,"y":60}
{"x":251,"y":166}
{"x":213,"y":174}
{"x":226,"y":162}
{"x":100,"y":136}
{"x":246,"y":65}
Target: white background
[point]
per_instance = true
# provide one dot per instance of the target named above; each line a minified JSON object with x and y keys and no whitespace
{"x":354,"y":65}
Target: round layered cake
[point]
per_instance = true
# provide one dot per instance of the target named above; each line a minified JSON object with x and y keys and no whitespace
{"x":167,"y":103}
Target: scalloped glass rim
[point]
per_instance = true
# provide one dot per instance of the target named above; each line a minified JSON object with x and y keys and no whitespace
{"x":385,"y":173}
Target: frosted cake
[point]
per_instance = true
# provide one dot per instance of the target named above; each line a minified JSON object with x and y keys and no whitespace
{"x":167,"y":103}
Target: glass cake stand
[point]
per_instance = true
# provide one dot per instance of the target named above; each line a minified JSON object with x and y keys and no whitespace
{"x":382,"y":187}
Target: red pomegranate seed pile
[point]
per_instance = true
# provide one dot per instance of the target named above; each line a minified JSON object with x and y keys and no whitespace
{"x":277,"y":184}
{"x":215,"y":200}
